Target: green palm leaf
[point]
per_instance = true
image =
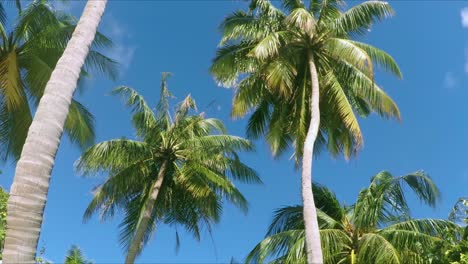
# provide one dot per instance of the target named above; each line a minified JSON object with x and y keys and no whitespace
{"x":178,"y":172}
{"x":359,"y":19}
{"x":79,"y":125}
{"x":112,"y":155}
{"x":375,"y":248}
{"x":143,"y":117}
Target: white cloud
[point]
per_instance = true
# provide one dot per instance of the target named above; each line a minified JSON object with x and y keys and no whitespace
{"x":450,"y":81}
{"x":69,"y":6}
{"x":464,"y":17}
{"x":466,"y":60}
{"x":122,"y":51}
{"x":114,"y":27}
{"x":123,"y":54}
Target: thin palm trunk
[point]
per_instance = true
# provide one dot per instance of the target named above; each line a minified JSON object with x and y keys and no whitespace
{"x":312,"y":233}
{"x":140,"y":231}
{"x":28,"y":192}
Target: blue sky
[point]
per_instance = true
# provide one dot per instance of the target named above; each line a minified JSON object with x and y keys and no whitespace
{"x":428,"y":39}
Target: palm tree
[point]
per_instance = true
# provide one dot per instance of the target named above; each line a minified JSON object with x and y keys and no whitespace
{"x":454,"y":248}
{"x":28,"y":54}
{"x":376,"y":229}
{"x":28,"y":193}
{"x":75,"y":256}
{"x":178,"y":171}
{"x":299,"y":68}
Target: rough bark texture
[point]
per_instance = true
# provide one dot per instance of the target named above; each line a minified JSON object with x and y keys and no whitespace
{"x":137,"y":241}
{"x":28,"y":194}
{"x":312,"y":232}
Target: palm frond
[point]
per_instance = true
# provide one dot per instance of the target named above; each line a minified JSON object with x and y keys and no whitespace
{"x":412,"y":235}
{"x":423,"y":187}
{"x":231,"y":60}
{"x":291,"y":5}
{"x":266,"y":7}
{"x":343,"y":107}
{"x":14,"y":126}
{"x":363,"y":87}
{"x":12,"y":91}
{"x":360,"y":18}
{"x":119,"y":189}
{"x":345,"y":50}
{"x":222,"y":184}
{"x":335,"y":245}
{"x":280,"y":75}
{"x":79,"y":125}
{"x":249,"y":95}
{"x":34,"y":18}
{"x":286,"y":218}
{"x":112,"y":155}
{"x":375,"y":248}
{"x":302,"y":19}
{"x":326,"y":201}
{"x":97,"y":62}
{"x":268,"y":47}
{"x":276,"y":245}
{"x":216,"y":142}
{"x":75,"y":256}
{"x":143,"y":117}
{"x":381,"y":58}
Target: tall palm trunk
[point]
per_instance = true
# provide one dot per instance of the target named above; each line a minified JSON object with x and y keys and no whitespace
{"x":142,"y":226}
{"x":312,"y":232}
{"x":28,"y":194}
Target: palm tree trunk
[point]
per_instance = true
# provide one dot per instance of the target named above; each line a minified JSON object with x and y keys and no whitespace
{"x":312,"y":232}
{"x":28,"y":193}
{"x":142,"y":227}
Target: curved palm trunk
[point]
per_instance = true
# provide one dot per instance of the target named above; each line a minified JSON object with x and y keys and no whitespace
{"x":312,"y":232}
{"x":28,"y":192}
{"x":137,"y":241}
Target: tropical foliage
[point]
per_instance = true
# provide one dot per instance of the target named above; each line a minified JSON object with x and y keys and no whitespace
{"x":75,"y":256}
{"x":264,"y":57}
{"x":453,"y":249}
{"x":28,"y":55}
{"x":28,"y":193}
{"x":178,"y":171}
{"x":305,"y":80}
{"x":377,"y":228}
{"x":300,"y":73}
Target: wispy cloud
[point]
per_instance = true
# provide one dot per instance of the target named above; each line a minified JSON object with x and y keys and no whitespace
{"x":450,"y":80}
{"x":464,"y":17}
{"x":123,"y":54}
{"x":466,"y":61}
{"x":69,"y":6}
{"x":123,"y":51}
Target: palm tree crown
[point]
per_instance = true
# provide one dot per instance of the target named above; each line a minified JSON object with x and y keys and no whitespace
{"x":305,"y":80}
{"x":178,"y":171}
{"x":75,"y":256}
{"x":376,"y":229}
{"x":28,"y":55}
{"x":264,"y":54}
